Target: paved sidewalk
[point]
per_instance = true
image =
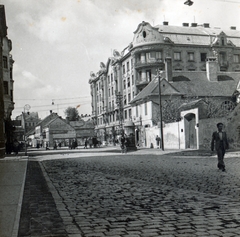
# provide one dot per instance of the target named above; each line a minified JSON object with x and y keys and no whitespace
{"x":12,"y":180}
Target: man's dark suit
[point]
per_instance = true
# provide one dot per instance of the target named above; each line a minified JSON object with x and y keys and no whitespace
{"x":221,"y":145}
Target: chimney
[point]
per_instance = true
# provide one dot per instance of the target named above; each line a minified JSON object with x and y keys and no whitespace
{"x":168,"y":68}
{"x":165,"y":23}
{"x":194,"y":24}
{"x":212,"y":68}
{"x":185,"y":24}
{"x":206,"y":25}
{"x":233,"y":27}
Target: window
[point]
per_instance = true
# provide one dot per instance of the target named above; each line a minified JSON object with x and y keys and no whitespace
{"x":108,"y":79}
{"x":140,"y":75}
{"x":190,"y":56}
{"x":127,"y":66}
{"x":222,"y":39}
{"x":112,"y":90}
{"x":144,"y":34}
{"x":132,"y":80}
{"x":111,"y":77}
{"x":124,"y":84}
{"x":129,"y":97}
{"x":177,"y":56}
{"x":123,"y":69}
{"x":5,"y":62}
{"x":11,"y":73}
{"x":149,"y":75}
{"x":5,"y":84}
{"x":131,"y":63}
{"x":203,"y":57}
{"x":125,"y":100}
{"x":145,"y":106}
{"x":125,"y":114}
{"x":137,"y":111}
{"x":158,"y":55}
{"x":130,"y":113}
{"x":109,"y":92}
{"x":128,"y":82}
{"x":139,"y":57}
{"x":152,"y":55}
{"x":133,"y":94}
{"x":236,"y":58}
{"x":222,"y":58}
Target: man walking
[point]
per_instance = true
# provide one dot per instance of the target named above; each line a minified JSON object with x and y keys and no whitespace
{"x":219,"y":138}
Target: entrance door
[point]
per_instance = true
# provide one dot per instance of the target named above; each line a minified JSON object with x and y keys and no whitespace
{"x":192,"y":134}
{"x":190,"y":131}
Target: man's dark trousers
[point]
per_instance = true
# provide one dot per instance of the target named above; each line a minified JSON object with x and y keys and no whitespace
{"x":220,"y":154}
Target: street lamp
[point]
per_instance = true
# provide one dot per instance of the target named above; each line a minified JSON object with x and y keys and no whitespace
{"x":188,"y":3}
{"x":26,"y":107}
{"x":160,"y":107}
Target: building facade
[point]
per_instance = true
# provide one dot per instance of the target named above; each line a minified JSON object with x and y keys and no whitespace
{"x":189,"y":56}
{"x":6,"y":85}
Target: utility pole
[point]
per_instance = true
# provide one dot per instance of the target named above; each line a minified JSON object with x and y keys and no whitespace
{"x":160,"y":108}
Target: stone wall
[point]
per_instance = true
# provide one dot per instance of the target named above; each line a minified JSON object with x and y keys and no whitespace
{"x":231,"y":126}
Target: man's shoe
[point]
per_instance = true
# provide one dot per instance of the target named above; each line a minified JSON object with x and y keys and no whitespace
{"x":223,"y":169}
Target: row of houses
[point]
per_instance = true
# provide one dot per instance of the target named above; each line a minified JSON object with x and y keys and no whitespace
{"x":190,"y":74}
{"x":53,"y":129}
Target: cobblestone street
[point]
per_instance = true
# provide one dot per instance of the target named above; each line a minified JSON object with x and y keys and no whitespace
{"x":144,"y":195}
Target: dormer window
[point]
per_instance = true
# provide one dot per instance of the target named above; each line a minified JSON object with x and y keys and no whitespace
{"x":144,"y":34}
{"x":223,"y":42}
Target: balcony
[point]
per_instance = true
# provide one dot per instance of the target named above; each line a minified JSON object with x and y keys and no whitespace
{"x":149,"y":63}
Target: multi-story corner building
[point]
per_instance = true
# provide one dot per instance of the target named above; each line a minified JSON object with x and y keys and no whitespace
{"x":183,"y":53}
{"x":6,"y":90}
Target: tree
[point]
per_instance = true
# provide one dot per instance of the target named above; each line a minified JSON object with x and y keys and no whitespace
{"x":71,"y":113}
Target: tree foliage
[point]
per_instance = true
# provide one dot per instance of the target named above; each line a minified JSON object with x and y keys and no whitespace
{"x":71,"y":113}
{"x":171,"y":109}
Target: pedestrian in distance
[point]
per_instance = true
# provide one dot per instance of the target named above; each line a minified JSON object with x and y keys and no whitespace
{"x":123,"y":144}
{"x":158,"y":141}
{"x":55,"y":146}
{"x":85,"y":143}
{"x":219,"y":140}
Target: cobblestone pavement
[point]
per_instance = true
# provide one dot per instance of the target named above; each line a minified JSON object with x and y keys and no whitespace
{"x":145,"y":195}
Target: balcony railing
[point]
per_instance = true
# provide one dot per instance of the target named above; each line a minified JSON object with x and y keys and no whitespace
{"x":154,"y":62}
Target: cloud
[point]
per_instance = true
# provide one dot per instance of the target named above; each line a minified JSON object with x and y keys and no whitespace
{"x":56,"y":43}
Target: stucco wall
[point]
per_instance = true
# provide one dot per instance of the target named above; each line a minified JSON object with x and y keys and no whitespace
{"x":173,"y":137}
{"x":171,"y":134}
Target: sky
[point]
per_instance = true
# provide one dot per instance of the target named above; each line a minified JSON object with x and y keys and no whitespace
{"x":57,"y":43}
